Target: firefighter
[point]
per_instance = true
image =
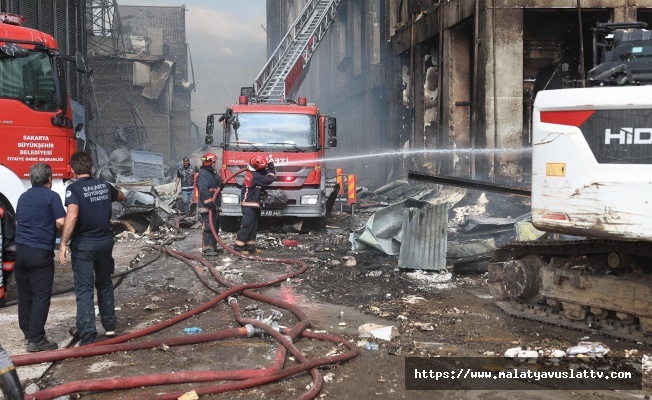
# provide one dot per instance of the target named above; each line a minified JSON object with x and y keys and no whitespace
{"x":260,"y":174}
{"x":208,"y":182}
{"x":7,"y":250}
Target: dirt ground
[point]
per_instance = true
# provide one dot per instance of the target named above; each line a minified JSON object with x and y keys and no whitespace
{"x":456,"y":318}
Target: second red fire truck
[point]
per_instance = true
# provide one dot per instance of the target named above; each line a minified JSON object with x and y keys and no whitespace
{"x":292,"y":134}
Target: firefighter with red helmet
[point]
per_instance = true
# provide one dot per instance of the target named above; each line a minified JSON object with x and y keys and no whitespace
{"x":208,"y":181}
{"x":260,"y":174}
{"x":7,"y":250}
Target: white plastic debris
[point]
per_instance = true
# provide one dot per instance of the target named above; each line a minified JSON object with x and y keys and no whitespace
{"x":424,"y":326}
{"x":192,"y":395}
{"x":558,"y":354}
{"x":348,"y":261}
{"x":647,"y":364}
{"x":525,"y":354}
{"x":513,"y":352}
{"x":434,"y":277}
{"x":32,"y":388}
{"x":594,"y":349}
{"x":383,"y":332}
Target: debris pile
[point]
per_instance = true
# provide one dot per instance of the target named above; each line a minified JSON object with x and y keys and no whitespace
{"x":475,"y":225}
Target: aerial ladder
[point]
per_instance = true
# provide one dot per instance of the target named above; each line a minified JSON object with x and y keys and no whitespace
{"x":283,"y":73}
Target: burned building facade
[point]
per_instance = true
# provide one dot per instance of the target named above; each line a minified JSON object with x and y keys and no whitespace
{"x":139,"y":80}
{"x":443,"y":87}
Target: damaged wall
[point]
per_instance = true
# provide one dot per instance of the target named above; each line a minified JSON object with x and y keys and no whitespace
{"x":152,"y":66}
{"x":347,"y":79}
{"x":165,"y":29}
{"x":454,"y":74}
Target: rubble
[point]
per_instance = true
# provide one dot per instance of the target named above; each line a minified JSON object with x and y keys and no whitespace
{"x":432,"y":277}
{"x":405,"y":312}
{"x":348,"y":261}
{"x":383,"y":332}
{"x":592,"y":349}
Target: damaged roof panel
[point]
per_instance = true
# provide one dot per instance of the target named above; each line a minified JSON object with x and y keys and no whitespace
{"x":158,"y":79}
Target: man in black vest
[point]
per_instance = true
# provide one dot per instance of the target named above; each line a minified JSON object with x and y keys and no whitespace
{"x":88,"y":226}
{"x":186,"y":178}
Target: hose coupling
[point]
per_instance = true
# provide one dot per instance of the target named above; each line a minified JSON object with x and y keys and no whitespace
{"x":255,"y":331}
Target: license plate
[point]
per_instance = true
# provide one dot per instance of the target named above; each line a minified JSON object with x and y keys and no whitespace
{"x":271,"y":213}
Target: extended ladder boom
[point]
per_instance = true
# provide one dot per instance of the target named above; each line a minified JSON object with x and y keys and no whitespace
{"x":281,"y":77}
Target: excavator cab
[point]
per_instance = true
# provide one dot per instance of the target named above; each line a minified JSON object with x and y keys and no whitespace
{"x":622,"y":54}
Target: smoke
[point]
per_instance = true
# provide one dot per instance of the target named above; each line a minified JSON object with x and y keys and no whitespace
{"x":228,"y":47}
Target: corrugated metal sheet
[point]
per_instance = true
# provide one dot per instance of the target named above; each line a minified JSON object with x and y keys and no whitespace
{"x":425,"y":237}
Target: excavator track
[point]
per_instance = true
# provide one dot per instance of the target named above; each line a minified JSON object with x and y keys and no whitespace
{"x":593,"y":286}
{"x":550,"y":317}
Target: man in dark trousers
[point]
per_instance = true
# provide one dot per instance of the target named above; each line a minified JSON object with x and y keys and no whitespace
{"x":260,"y":174}
{"x":7,"y":250}
{"x":39,"y":214}
{"x":88,"y":226}
{"x":186,"y":178}
{"x":208,"y":182}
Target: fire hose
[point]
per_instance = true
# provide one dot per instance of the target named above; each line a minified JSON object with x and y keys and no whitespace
{"x":250,"y":327}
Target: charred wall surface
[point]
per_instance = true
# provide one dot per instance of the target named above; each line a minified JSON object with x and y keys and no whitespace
{"x":141,"y":81}
{"x":347,"y":79}
{"x":451,"y":75}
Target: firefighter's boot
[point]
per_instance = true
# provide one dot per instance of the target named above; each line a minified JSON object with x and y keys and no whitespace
{"x":252,"y":250}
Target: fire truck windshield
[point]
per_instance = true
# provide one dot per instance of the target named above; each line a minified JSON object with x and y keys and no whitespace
{"x":29,"y":80}
{"x":283,"y":131}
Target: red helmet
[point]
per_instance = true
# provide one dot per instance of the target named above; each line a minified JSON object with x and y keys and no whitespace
{"x":258,"y":162}
{"x":208,"y":159}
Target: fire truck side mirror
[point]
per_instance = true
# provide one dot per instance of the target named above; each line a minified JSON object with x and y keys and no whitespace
{"x":210,"y":123}
{"x":80,"y":62}
{"x":331,"y":128}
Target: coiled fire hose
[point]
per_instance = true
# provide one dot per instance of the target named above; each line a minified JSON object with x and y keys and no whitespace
{"x":247,"y":378}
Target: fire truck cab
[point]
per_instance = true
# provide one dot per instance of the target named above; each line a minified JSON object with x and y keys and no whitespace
{"x":35,"y":113}
{"x":292,"y":134}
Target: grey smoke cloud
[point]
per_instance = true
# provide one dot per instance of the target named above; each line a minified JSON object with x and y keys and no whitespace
{"x":228,"y":47}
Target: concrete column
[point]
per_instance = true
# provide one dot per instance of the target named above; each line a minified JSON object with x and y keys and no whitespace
{"x":503,"y":89}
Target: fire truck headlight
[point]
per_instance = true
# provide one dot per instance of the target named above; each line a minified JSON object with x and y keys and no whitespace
{"x":230,"y":199}
{"x":309,"y":200}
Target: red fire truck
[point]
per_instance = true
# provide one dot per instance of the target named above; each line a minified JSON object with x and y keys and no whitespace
{"x":35,"y":114}
{"x":294,"y":135}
